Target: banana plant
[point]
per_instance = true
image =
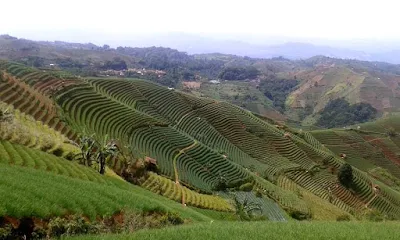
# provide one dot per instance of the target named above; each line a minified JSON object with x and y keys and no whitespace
{"x":105,"y":149}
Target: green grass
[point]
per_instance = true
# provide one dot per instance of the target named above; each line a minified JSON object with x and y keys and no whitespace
{"x":267,"y":230}
{"x":29,"y":192}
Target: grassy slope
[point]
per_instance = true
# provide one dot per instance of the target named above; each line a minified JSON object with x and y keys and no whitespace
{"x":262,"y":230}
{"x":43,"y":185}
{"x":29,"y":192}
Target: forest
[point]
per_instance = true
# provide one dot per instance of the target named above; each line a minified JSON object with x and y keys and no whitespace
{"x":339,"y":113}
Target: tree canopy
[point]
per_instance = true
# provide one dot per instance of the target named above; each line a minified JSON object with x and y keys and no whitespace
{"x":339,"y":113}
{"x":277,"y":90}
{"x":345,"y":175}
{"x":239,"y":73}
{"x":116,"y":64}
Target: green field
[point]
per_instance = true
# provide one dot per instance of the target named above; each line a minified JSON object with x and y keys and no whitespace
{"x":267,"y":230}
{"x":35,"y":193}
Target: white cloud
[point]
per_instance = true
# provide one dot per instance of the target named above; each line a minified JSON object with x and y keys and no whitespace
{"x":339,"y":19}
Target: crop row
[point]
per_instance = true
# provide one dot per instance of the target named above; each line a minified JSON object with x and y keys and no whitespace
{"x":327,"y":137}
{"x":385,"y":206}
{"x":388,"y":148}
{"x":19,"y":155}
{"x":249,"y":141}
{"x":286,"y":199}
{"x":367,"y":151}
{"x":119,"y":89}
{"x":31,"y":102}
{"x":167,"y":103}
{"x":199,"y":166}
{"x":100,"y":114}
{"x":127,"y":93}
{"x":195,"y":102}
{"x":291,"y":151}
{"x":202,"y":131}
{"x":211,"y":166}
{"x":305,"y":180}
{"x":179,"y":193}
{"x":26,"y":192}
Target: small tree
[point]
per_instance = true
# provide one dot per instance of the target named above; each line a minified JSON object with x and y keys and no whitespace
{"x":105,"y":149}
{"x":93,"y":150}
{"x":245,"y":209}
{"x":87,"y":146}
{"x":345,"y":175}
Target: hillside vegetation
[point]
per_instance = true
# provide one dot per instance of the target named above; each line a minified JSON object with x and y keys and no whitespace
{"x":202,"y":143}
{"x":339,"y":113}
{"x":317,"y":80}
{"x":182,"y":158}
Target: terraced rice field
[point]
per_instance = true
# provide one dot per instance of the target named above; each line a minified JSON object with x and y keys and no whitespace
{"x":321,"y":209}
{"x":24,"y":130}
{"x":202,"y":144}
{"x":15,"y":89}
{"x":182,"y":194}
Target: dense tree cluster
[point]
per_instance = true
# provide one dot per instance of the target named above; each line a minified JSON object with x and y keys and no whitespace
{"x":116,"y":64}
{"x":345,"y":175}
{"x":239,"y":73}
{"x":68,"y":63}
{"x":169,"y":60}
{"x":339,"y":113}
{"x":277,"y":90}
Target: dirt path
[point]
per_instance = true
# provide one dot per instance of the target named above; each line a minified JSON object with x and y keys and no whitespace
{"x":176,"y":157}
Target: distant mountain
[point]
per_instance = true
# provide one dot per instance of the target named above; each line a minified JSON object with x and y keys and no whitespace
{"x":318,"y":79}
{"x":196,"y":44}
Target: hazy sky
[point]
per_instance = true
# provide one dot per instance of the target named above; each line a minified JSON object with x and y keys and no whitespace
{"x":334,"y":19}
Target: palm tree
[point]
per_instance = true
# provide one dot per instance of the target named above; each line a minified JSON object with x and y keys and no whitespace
{"x":245,"y":209}
{"x":104,"y":150}
{"x":87,"y":145}
{"x":97,"y":151}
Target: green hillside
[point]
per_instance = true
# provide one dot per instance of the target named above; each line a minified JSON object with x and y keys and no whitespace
{"x":36,"y":184}
{"x":200,"y":159}
{"x":276,"y":88}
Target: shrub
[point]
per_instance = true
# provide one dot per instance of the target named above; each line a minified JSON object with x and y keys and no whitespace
{"x":374,"y":216}
{"x":6,"y":231}
{"x":247,"y":187}
{"x":343,"y":218}
{"x":76,"y":225}
{"x":58,"y":152}
{"x":295,"y":214}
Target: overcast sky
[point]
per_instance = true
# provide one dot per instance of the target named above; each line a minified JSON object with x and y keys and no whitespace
{"x":334,"y":19}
